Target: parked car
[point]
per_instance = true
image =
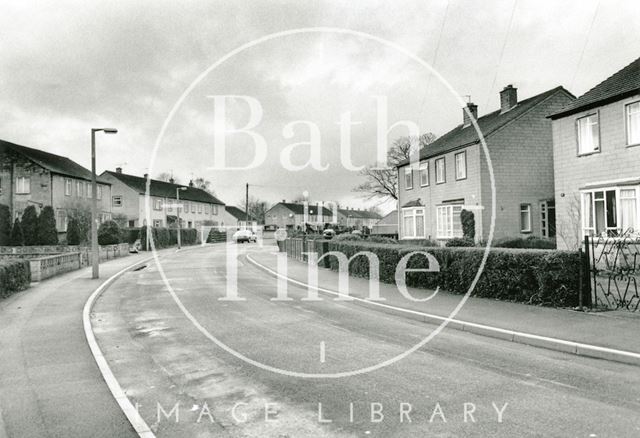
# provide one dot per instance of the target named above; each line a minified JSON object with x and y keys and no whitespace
{"x":242,"y":236}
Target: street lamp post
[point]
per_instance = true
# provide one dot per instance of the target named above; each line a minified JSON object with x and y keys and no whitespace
{"x":94,"y":202}
{"x":178,"y":190}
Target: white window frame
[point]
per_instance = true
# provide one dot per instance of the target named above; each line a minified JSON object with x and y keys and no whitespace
{"x":440,"y":180}
{"x":116,"y":201}
{"x":589,"y":229}
{"x":99,"y":191}
{"x":68,"y":186}
{"x":446,"y":215}
{"x":23,"y":185}
{"x":596,"y":147}
{"x":526,"y":209}
{"x":79,"y":188}
{"x":199,"y":208}
{"x":627,"y":119}
{"x":157,"y":223}
{"x":193,"y":207}
{"x":88,"y":190}
{"x":215,"y":209}
{"x":461,"y":171}
{"x":424,"y":172}
{"x":414,"y":212}
{"x":408,"y":178}
{"x":157,"y":204}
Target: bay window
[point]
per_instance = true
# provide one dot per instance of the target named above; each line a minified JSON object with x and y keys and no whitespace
{"x":448,"y":221}
{"x":413,"y":222}
{"x":632,"y":113}
{"x":588,"y":134}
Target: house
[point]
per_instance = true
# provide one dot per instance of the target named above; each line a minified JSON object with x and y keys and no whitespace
{"x":197,"y":207}
{"x":351,"y":217}
{"x":236,"y":217}
{"x":453,"y":175}
{"x":596,"y":150}
{"x":387,"y":226}
{"x":31,"y":176}
{"x":291,"y":215}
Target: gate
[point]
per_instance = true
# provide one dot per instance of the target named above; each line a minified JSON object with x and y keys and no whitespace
{"x":614,"y":265}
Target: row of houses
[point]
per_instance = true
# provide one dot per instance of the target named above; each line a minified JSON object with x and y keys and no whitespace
{"x":563,"y":167}
{"x":294,"y":215}
{"x":31,"y":176}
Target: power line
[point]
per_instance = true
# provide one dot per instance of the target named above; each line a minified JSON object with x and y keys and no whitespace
{"x":586,"y":42}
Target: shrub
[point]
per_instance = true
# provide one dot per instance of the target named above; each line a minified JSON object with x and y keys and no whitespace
{"x":47,"y":232}
{"x":5,"y":225}
{"x":17,"y":237}
{"x":419,"y":242}
{"x":15,"y":275}
{"x":166,"y":237}
{"x":30,"y":226}
{"x":462,"y":242}
{"x":380,"y":239}
{"x":347,"y":237}
{"x":468,"y":224}
{"x":73,"y":232}
{"x":109,"y":233}
{"x":531,"y":242}
{"x":531,"y":276}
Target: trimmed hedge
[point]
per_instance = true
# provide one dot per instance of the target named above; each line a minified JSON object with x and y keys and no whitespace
{"x":549,"y":278}
{"x":531,"y":242}
{"x":15,"y":275}
{"x":166,"y":237}
{"x":109,"y":233}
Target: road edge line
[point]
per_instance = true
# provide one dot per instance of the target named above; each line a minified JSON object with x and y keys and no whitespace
{"x":555,"y":344}
{"x":132,"y":414}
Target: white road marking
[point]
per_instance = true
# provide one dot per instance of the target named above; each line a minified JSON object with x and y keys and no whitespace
{"x":322,"y":352}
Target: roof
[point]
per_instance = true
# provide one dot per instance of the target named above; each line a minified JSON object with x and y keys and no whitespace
{"x":296,"y":208}
{"x":236,"y":212}
{"x":363,"y":214}
{"x":390,"y":218}
{"x":164,"y":189}
{"x":466,"y":135}
{"x":624,"y":83}
{"x":53,"y":163}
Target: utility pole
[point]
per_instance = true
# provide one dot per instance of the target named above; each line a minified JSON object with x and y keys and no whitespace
{"x":246,"y":203}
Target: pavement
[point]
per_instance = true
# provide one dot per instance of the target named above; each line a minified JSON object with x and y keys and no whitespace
{"x":616,"y":330}
{"x":50,"y":385}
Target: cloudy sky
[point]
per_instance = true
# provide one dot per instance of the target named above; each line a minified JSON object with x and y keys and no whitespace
{"x":70,"y":66}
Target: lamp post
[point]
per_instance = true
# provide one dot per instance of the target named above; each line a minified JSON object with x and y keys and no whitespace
{"x":178,"y":190}
{"x":94,"y":202}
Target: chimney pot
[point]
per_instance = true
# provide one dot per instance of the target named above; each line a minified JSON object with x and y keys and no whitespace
{"x":191,"y":183}
{"x":473,"y":109}
{"x":146,"y":176}
{"x":172,"y":181}
{"x":118,"y":169}
{"x":508,"y":98}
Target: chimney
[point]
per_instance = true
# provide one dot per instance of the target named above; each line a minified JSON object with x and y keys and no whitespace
{"x":508,"y":98}
{"x":284,"y":201}
{"x":172,"y":181}
{"x":118,"y":169}
{"x":473,"y":109}
{"x":146,"y":176}
{"x":191,"y":183}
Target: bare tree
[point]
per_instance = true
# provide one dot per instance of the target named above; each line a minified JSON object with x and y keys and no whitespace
{"x":569,"y":228}
{"x":166,"y":177}
{"x":383,"y":182}
{"x":204,"y":184}
{"x":257,"y":209}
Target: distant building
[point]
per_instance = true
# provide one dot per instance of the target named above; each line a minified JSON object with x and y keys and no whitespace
{"x":197,"y":207}
{"x":236,"y":217}
{"x":34,"y":177}
{"x":596,"y":152}
{"x":350,"y":217}
{"x":387,"y":226}
{"x":291,"y":215}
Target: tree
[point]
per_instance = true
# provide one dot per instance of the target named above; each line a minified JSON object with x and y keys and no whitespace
{"x":81,"y":213}
{"x":165,"y":176}
{"x":73,"y":232}
{"x":17,"y":237}
{"x":468,"y":224}
{"x":204,"y":184}
{"x":109,"y":233}
{"x":5,"y":225}
{"x":383,"y":182}
{"x":257,"y":209}
{"x":47,"y":232}
{"x":30,"y":225}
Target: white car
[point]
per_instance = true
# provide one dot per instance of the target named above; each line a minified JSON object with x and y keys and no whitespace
{"x":242,"y":236}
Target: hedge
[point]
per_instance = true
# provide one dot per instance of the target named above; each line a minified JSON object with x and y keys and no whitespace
{"x":15,"y":275}
{"x":549,"y":278}
{"x":166,"y":237}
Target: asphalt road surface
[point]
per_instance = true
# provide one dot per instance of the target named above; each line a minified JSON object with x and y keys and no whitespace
{"x":459,"y":384}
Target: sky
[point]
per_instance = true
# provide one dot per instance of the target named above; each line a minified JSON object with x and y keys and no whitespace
{"x":69,"y":66}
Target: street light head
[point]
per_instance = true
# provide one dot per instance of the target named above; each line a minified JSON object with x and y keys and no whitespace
{"x":182,"y":189}
{"x":110,"y":131}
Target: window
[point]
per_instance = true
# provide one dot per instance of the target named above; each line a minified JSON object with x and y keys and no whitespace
{"x":413,"y":222}
{"x":99,"y":192}
{"x":408,"y":178}
{"x":116,"y":201}
{"x":67,"y":187}
{"x":588,"y":134}
{"x":548,"y":218}
{"x":215,"y":208}
{"x":23,"y":185}
{"x":185,"y":206}
{"x":207,"y":208}
{"x":88,"y":190}
{"x":157,"y":223}
{"x":424,"y":174}
{"x":79,"y":187}
{"x":448,"y":223}
{"x":193,"y":207}
{"x":440,"y":171}
{"x":611,"y":211}
{"x":199,"y":208}
{"x":525,"y":218}
{"x":633,"y":123}
{"x":61,"y":220}
{"x":461,"y":165}
{"x":628,"y":209}
{"x":157,"y":204}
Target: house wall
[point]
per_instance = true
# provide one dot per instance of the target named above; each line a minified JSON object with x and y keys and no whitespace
{"x":616,"y":160}
{"x":130,"y":197}
{"x":282,"y":217}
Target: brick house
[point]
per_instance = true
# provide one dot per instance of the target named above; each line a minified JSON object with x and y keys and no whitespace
{"x":31,"y":176}
{"x":596,"y":150}
{"x":128,"y":199}
{"x":452,"y":173}
{"x":351,"y":217}
{"x":290,"y":215}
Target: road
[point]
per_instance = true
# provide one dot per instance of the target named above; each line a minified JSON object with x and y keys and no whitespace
{"x":459,"y":384}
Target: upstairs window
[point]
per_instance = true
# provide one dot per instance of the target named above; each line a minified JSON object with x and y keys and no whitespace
{"x":424,"y":174}
{"x":89,"y":190}
{"x":79,"y":188}
{"x":199,"y":208}
{"x":99,"y":192}
{"x":23,"y":185}
{"x":440,"y":171}
{"x":588,"y":134}
{"x":408,"y":178}
{"x":461,"y":165}
{"x":157,"y":204}
{"x":633,"y":123}
{"x":67,"y":187}
{"x":215,"y":209}
{"x":116,"y":201}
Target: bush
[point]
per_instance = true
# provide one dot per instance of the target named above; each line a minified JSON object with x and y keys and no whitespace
{"x":419,"y":242}
{"x":109,"y":233}
{"x":461,"y":242}
{"x":348,"y":237}
{"x":30,"y":226}
{"x":47,"y":232}
{"x":15,"y":275}
{"x":5,"y":225}
{"x":167,"y":237}
{"x":468,"y":224}
{"x":17,"y":237}
{"x":73,"y":232}
{"x":548,"y":278}
{"x":380,"y":239}
{"x":531,"y":242}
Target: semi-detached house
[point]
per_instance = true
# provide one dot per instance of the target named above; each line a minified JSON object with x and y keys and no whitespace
{"x":453,"y":174}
